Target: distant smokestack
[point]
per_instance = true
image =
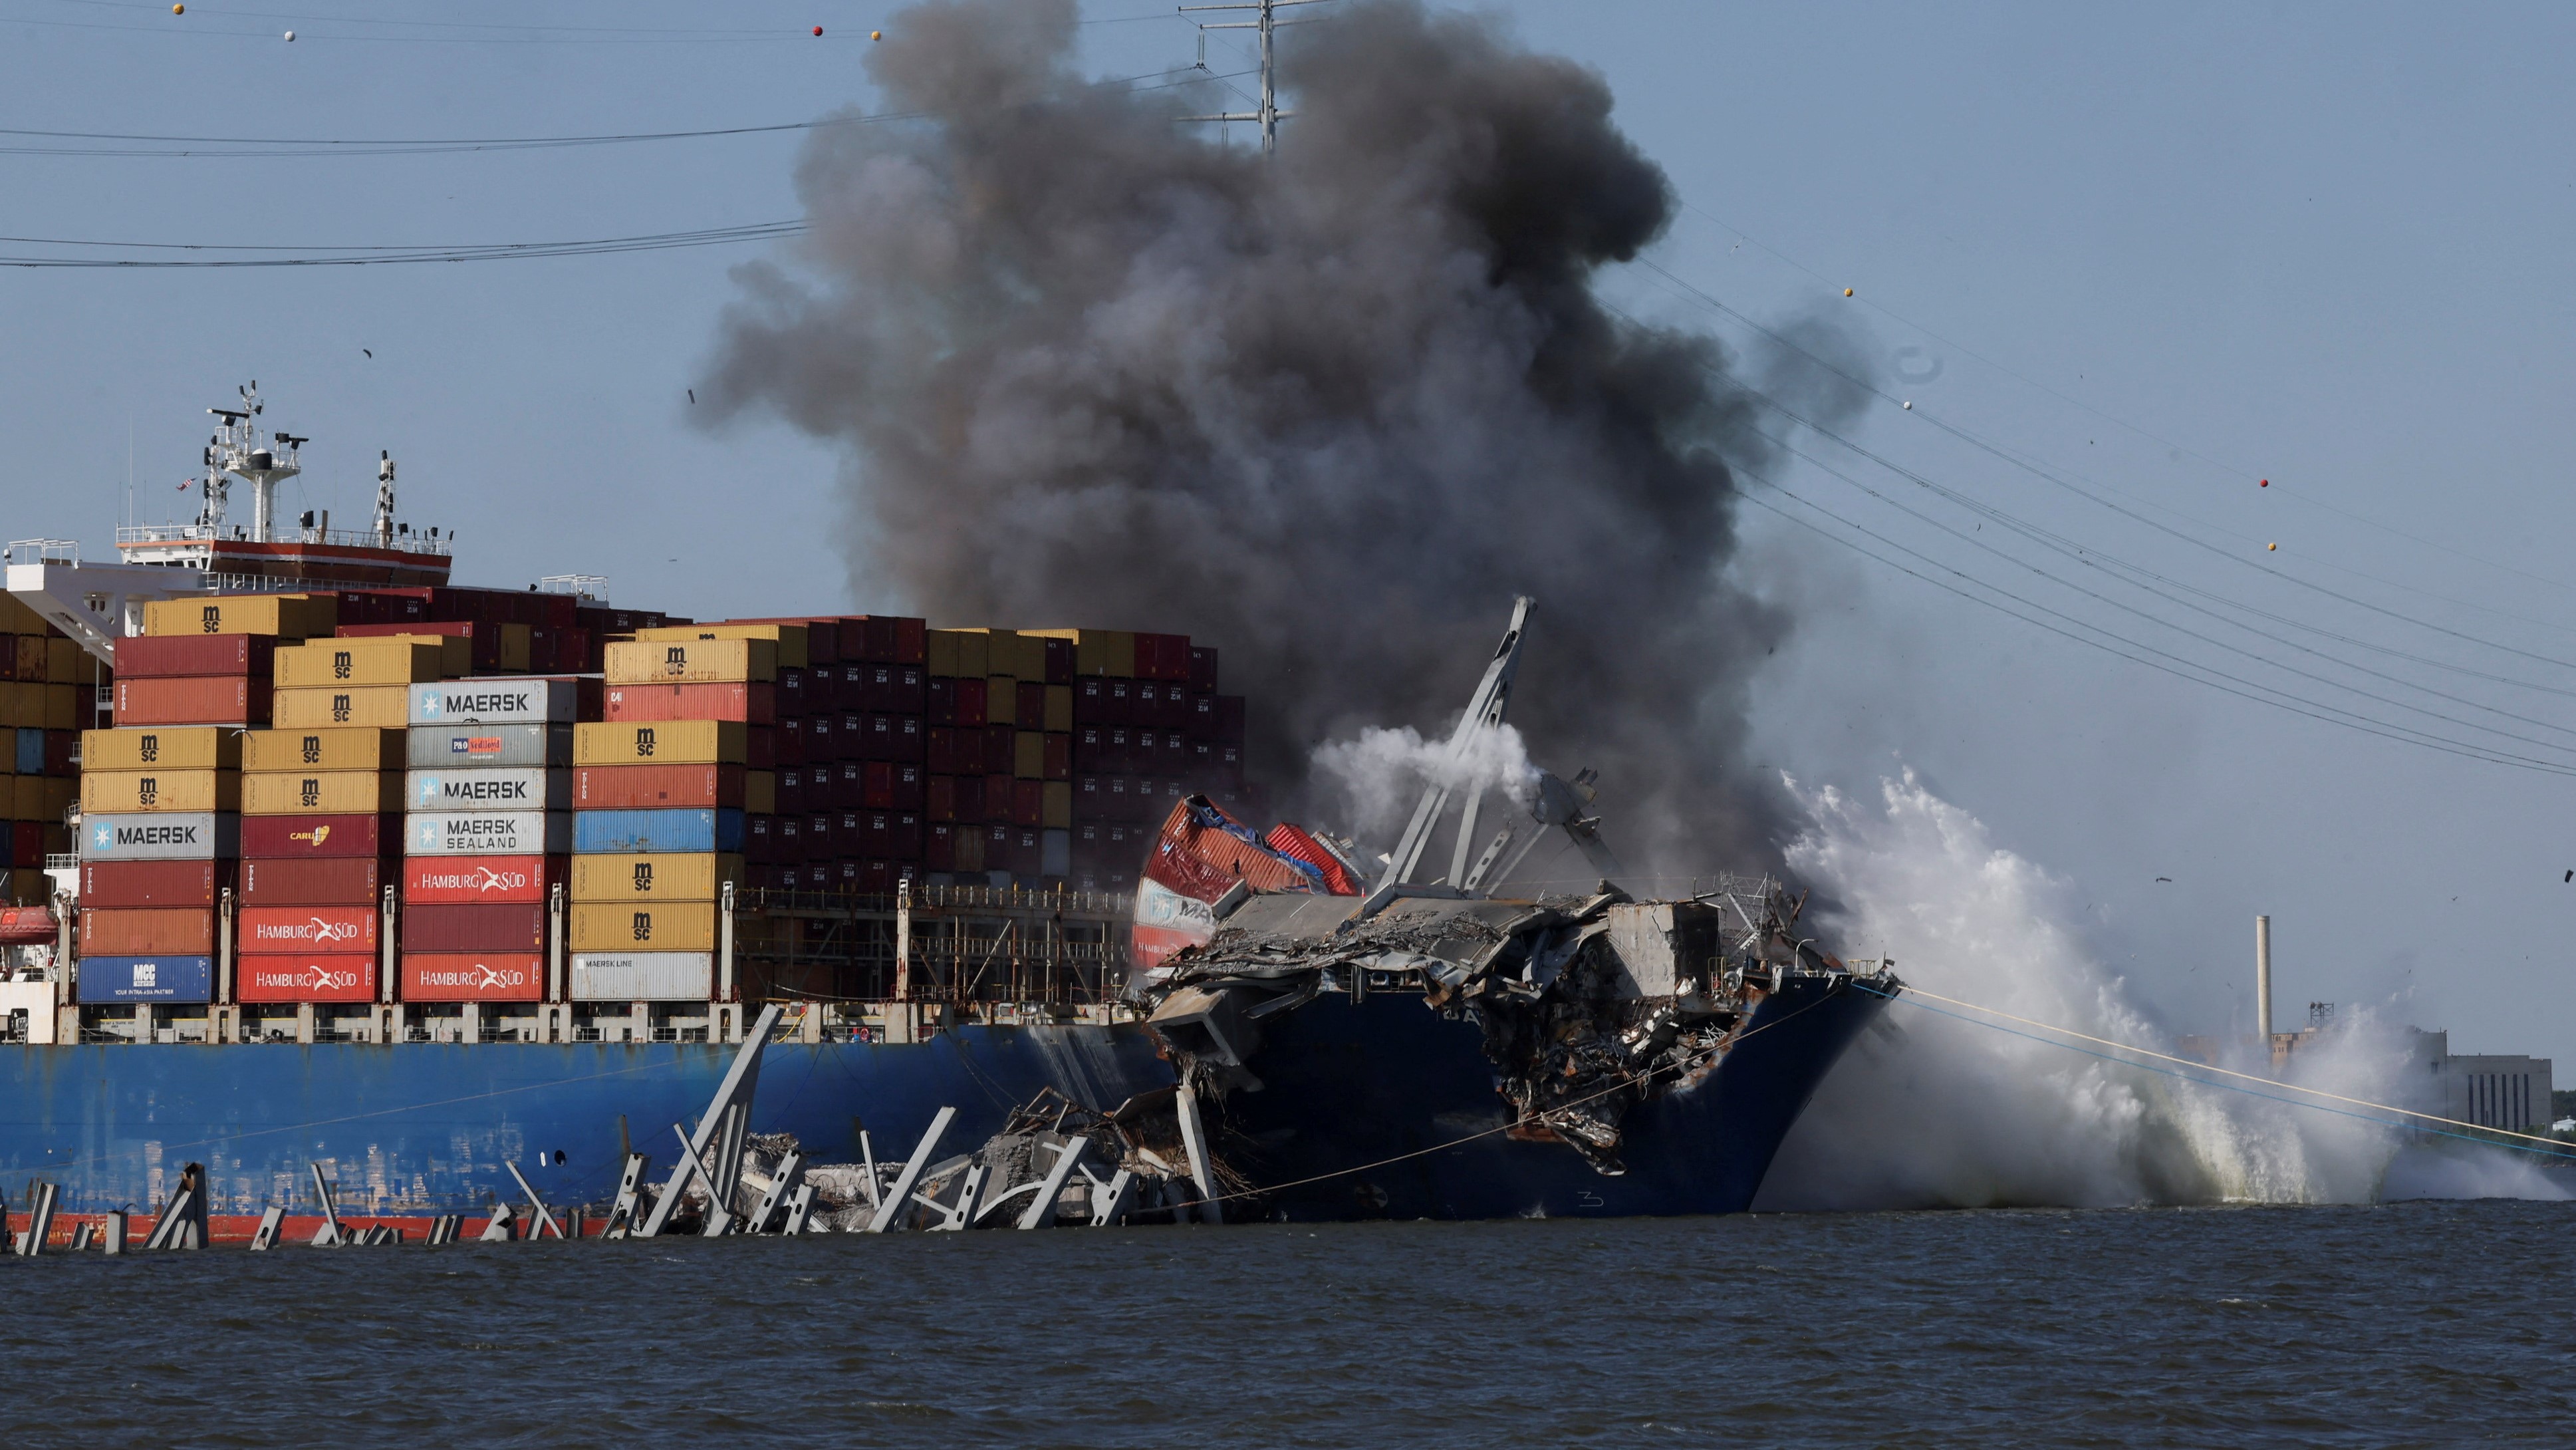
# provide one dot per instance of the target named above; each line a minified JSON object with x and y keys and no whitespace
{"x":2263,"y":979}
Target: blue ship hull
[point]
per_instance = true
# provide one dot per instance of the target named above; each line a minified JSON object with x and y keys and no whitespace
{"x":1391,"y":1083}
{"x":422,"y":1128}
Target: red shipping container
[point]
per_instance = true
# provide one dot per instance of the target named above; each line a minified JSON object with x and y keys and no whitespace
{"x":760,"y":747}
{"x":1059,"y":661}
{"x":459,"y":880}
{"x":491,"y":926}
{"x":62,"y":751}
{"x":792,"y":699}
{"x":305,"y":978}
{"x":143,"y":657}
{"x":787,"y":838}
{"x":793,"y":748}
{"x":971,"y":703}
{"x":939,"y":798}
{"x":1095,"y":704}
{"x":304,"y":837}
{"x":322,"y":881}
{"x":26,"y":845}
{"x":329,"y":928}
{"x":1144,"y":751}
{"x":657,"y":787}
{"x":939,"y":846}
{"x":170,"y":884}
{"x":876,"y":785}
{"x":997,"y":846}
{"x":1202,"y":679}
{"x":908,"y":778}
{"x":147,"y":932}
{"x":822,"y":836}
{"x":762,"y":841}
{"x":750,"y":704}
{"x":891,"y":689}
{"x":192,"y":700}
{"x":474,"y":977}
{"x":380,"y":607}
{"x":1056,"y":756}
{"x":942,"y":709}
{"x":1202,"y":719}
{"x":997,"y":797}
{"x":1027,"y":855}
{"x":483,"y":642}
{"x":969,"y":796}
{"x":905,"y":836}
{"x":1001,"y":750}
{"x":793,"y":792}
{"x":1028,"y":803}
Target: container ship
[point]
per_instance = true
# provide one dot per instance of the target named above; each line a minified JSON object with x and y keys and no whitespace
{"x":325,"y":869}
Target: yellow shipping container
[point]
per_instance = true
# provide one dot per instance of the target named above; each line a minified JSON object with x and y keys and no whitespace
{"x":793,"y":640}
{"x":62,"y":662}
{"x":17,"y":618}
{"x":27,"y":798}
{"x":114,"y":792}
{"x":661,"y":926}
{"x":337,"y":663}
{"x":379,"y":707}
{"x":1059,"y":709}
{"x":692,"y":661}
{"x":960,"y":653}
{"x":653,"y":878}
{"x":62,"y":709}
{"x":342,"y":748}
{"x":1056,"y":806}
{"x":162,"y":747}
{"x":288,"y":616}
{"x":661,"y":742}
{"x":1028,"y":755}
{"x":455,"y":651}
{"x":22,"y":705}
{"x":1109,"y":652}
{"x":1012,"y":652}
{"x":322,"y":793}
{"x":1001,"y":699}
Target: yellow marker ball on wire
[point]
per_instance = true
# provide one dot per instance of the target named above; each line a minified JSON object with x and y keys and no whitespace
{"x":1846,"y":291}
{"x":2271,"y":548}
{"x":178,"y":9}
{"x":876,"y":35}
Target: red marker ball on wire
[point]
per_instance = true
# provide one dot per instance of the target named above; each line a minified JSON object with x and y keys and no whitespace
{"x":818,"y":30}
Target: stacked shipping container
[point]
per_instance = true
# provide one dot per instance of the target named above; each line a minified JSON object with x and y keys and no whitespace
{"x":489,"y":827}
{"x":47,"y":683}
{"x":1149,"y":729}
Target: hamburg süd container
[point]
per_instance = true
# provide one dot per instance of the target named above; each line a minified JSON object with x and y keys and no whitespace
{"x":346,"y":747}
{"x":642,"y":976}
{"x":503,"y":700}
{"x":448,"y":880}
{"x":192,"y":700}
{"x":439,"y":747}
{"x":487,"y":833}
{"x":671,"y":877}
{"x":698,"y":832}
{"x":335,"y":929}
{"x":321,"y":793}
{"x":473,"y":976}
{"x":186,"y":978}
{"x":322,"y":881}
{"x":314,"y":977}
{"x":500,"y":788}
{"x":124,"y":792}
{"x":303,"y":837}
{"x":199,"y":836}
{"x":173,"y":884}
{"x":379,"y":707}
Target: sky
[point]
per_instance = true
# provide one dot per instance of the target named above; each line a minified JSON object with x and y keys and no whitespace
{"x":2125,"y":265}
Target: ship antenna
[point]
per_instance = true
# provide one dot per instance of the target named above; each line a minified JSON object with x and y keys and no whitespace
{"x":385,"y":498}
{"x":1269,"y":114}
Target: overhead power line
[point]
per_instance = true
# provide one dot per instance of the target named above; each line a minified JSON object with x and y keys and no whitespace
{"x":363,"y":256}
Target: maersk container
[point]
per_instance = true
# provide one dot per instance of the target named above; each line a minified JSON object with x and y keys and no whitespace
{"x":494,"y":833}
{"x":643,"y":976}
{"x":437,"y":747}
{"x":601,"y":833}
{"x":195,"y":836}
{"x":506,"y":700}
{"x":502,"y":788}
{"x":147,"y":979}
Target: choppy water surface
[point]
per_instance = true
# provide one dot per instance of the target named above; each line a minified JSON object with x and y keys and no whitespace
{"x":2414,"y":1324}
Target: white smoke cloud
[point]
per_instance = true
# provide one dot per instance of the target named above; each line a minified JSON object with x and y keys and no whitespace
{"x":1377,"y":776}
{"x":1944,"y":1112}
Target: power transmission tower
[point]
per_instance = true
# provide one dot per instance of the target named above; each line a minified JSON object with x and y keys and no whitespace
{"x":1265,"y":22}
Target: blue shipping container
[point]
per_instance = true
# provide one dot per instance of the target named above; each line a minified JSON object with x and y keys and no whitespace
{"x":147,"y":979}
{"x":31,"y":752}
{"x":604,"y":833}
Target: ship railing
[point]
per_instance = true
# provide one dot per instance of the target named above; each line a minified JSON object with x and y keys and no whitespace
{"x":62,"y":860}
{"x":146,"y":534}
{"x":1101,"y":904}
{"x":44,"y":551}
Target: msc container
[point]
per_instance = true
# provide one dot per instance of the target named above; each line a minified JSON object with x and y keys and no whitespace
{"x":146,"y":931}
{"x":750,"y":704}
{"x":789,"y":640}
{"x":673,"y":926}
{"x":145,"y":657}
{"x":1097,"y":651}
{"x":504,"y":701}
{"x":380,"y":707}
{"x":339,"y":663}
{"x":305,"y":978}
{"x":288,"y":838}
{"x":110,"y":792}
{"x":1055,"y":853}
{"x":643,"y":976}
{"x":322,"y":792}
{"x":328,"y":748}
{"x":457,"y":880}
{"x":657,"y":832}
{"x":334,"y":928}
{"x":169,"y":884}
{"x":662,"y":787}
{"x":436,"y":747}
{"x":455,"y":644}
{"x":473,"y":977}
{"x":483,"y":926}
{"x":689,"y":662}
{"x":202,"y":836}
{"x":629,"y":877}
{"x":323,"y":881}
{"x":192,"y":700}
{"x":669,"y":742}
{"x":491,"y":833}
{"x":522,"y":788}
{"x":955,"y":653}
{"x":187,"y":978}
{"x":293,"y":616}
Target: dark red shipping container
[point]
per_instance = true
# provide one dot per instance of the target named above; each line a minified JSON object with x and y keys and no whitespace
{"x":793,"y":793}
{"x":876,"y":785}
{"x":939,"y":846}
{"x":792,"y":699}
{"x":193,"y":700}
{"x":760,"y":747}
{"x":655,"y":788}
{"x":62,"y":752}
{"x":1059,"y":661}
{"x":762,"y":841}
{"x":939,"y":798}
{"x":908,"y":778}
{"x":147,"y":931}
{"x":1202,"y":680}
{"x":481,"y":927}
{"x":143,"y":657}
{"x":751,"y":704}
{"x":484,"y":640}
{"x":997,"y":797}
{"x":173,"y":884}
{"x":794,"y":746}
{"x":26,"y":845}
{"x":467,"y":880}
{"x":1028,"y":802}
{"x":1001,"y":750}
{"x":379,"y":607}
{"x":323,"y":881}
{"x":1095,"y":704}
{"x":304,"y":837}
{"x":970,"y":703}
{"x":1057,"y":757}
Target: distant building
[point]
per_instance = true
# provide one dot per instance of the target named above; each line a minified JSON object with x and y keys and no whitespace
{"x":2491,"y":1090}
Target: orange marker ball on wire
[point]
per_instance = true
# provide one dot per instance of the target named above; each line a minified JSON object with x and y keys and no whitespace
{"x":2265,"y":483}
{"x":818,"y":30}
{"x":2271,"y":548}
{"x":178,"y":9}
{"x":1846,"y":291}
{"x":876,"y":35}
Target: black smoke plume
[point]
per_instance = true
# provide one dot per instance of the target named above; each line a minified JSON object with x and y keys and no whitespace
{"x":1328,"y":411}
